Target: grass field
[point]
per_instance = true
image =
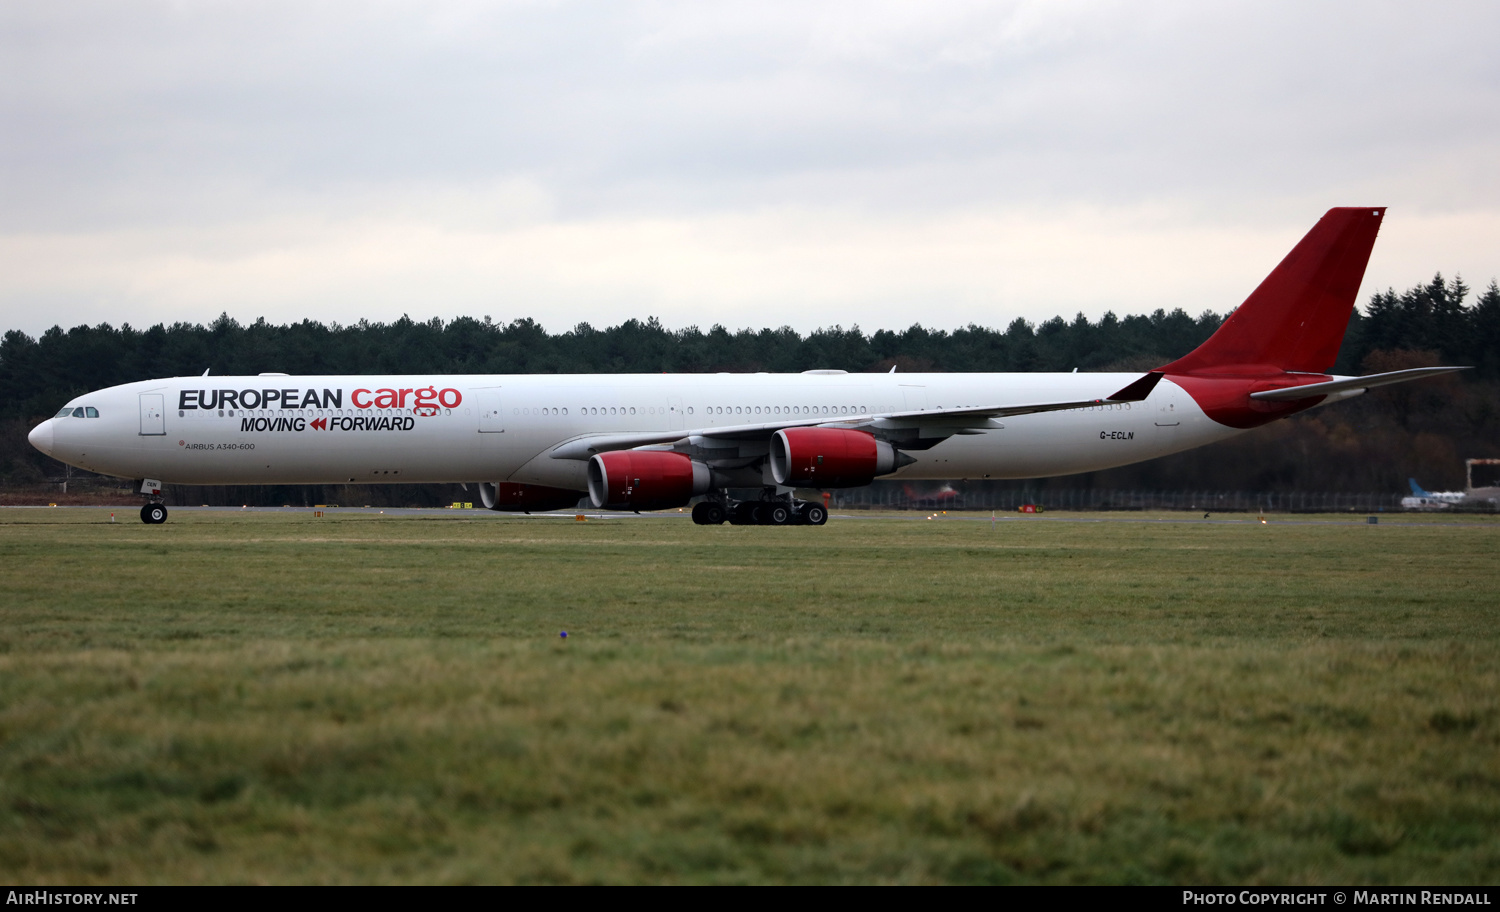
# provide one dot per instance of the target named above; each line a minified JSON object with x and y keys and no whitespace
{"x":380,"y":698}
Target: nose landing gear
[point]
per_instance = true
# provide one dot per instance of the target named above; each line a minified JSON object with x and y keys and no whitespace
{"x":154,"y":514}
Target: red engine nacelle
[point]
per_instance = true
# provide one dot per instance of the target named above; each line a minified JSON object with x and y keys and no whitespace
{"x":524,"y":498}
{"x":829,"y":457}
{"x":645,"y":480}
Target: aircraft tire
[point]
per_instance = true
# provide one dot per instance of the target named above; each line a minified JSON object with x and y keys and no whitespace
{"x":708,"y":513}
{"x":814,"y":514}
{"x":740,"y":515}
{"x":777,"y":514}
{"x":154,"y":514}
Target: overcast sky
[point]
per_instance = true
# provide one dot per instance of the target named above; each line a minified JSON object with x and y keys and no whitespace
{"x":755,"y":164}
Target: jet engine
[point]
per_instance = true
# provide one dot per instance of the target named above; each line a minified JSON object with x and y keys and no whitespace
{"x":831,"y":457}
{"x":645,"y":480}
{"x":509,"y":497}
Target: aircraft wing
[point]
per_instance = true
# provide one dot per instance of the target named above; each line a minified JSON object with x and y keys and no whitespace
{"x":1310,"y":390}
{"x":942,"y":422}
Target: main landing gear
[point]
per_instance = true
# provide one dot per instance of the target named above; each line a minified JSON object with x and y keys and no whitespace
{"x":154,"y":514}
{"x":760,"y":513}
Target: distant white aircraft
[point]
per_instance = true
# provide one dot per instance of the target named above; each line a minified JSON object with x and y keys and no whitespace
{"x":655,"y":441}
{"x":1431,"y":500}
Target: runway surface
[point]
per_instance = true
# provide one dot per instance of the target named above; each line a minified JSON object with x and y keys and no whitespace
{"x":1360,"y":519}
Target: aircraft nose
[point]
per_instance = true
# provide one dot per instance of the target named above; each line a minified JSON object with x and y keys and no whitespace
{"x":41,"y":437}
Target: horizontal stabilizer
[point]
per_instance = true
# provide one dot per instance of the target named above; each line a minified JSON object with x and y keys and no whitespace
{"x":1308,"y":391}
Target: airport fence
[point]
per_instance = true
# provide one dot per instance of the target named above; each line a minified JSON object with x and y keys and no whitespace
{"x":878,"y":496}
{"x":895,"y":498}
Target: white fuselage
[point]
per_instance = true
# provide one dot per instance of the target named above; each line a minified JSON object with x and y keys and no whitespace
{"x":430,"y":428}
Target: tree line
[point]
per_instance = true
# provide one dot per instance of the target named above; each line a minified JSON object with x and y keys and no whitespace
{"x":1422,"y":429}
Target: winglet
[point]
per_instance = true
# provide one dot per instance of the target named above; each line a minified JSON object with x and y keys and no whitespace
{"x":1138,"y":390}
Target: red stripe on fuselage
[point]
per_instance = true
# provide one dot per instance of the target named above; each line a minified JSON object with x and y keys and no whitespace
{"x":1225,"y":398}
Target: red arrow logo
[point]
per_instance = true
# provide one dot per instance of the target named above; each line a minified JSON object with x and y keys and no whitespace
{"x":320,"y":424}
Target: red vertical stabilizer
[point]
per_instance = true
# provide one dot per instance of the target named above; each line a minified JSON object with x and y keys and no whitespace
{"x":1295,"y":320}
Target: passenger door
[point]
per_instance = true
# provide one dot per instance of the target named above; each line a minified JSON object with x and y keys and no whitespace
{"x":153,"y":415}
{"x":488,"y":403}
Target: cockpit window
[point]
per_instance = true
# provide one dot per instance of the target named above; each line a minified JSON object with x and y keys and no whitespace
{"x":78,"y":412}
{"x":90,"y":412}
{"x":64,"y":413}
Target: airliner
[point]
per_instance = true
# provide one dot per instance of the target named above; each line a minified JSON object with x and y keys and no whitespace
{"x":1431,"y":500}
{"x":739,"y":445}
